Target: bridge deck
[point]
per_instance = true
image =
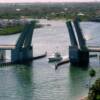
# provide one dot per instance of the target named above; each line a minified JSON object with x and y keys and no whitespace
{"x":7,"y":47}
{"x":94,"y":48}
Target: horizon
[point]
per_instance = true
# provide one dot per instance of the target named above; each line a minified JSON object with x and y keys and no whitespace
{"x":48,"y":1}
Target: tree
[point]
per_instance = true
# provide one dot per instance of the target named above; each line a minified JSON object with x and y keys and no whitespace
{"x":94,"y":91}
{"x":92,"y":73}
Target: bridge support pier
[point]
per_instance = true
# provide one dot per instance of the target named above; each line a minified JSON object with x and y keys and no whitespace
{"x":2,"y":55}
{"x":22,"y":55}
{"x":78,"y":57}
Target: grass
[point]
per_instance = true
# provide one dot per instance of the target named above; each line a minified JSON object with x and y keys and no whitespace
{"x":11,"y":30}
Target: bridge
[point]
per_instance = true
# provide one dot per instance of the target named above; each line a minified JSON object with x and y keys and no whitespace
{"x":7,"y":47}
{"x":22,"y":51}
{"x":78,"y":50}
{"x":94,"y":48}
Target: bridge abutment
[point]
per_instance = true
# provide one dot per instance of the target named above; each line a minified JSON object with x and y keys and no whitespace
{"x":2,"y":55}
{"x":78,"y":57}
{"x":22,"y":55}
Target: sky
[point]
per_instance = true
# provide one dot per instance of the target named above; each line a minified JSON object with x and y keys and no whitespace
{"x":23,"y":1}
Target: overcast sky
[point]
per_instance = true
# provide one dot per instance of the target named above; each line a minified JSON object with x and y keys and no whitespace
{"x":18,"y":1}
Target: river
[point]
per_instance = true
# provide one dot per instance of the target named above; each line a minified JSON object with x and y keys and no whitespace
{"x":39,"y":80}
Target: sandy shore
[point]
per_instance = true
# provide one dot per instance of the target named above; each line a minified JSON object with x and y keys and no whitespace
{"x":84,"y":98}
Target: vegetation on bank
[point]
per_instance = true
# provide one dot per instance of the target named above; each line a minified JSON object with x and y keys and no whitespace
{"x":85,"y":11}
{"x":94,"y":91}
{"x":50,"y":10}
{"x":11,"y":30}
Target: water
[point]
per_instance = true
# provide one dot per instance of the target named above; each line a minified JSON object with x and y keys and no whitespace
{"x":39,"y":80}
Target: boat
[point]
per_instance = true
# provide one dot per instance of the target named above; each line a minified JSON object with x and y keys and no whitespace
{"x":55,"y":57}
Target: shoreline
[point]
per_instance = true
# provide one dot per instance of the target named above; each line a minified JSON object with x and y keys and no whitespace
{"x":84,"y":98}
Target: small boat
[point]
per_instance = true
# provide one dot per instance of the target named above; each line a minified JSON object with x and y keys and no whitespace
{"x":55,"y":57}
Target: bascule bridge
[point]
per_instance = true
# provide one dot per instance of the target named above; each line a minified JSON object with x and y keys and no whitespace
{"x":22,"y":50}
{"x":78,"y":50}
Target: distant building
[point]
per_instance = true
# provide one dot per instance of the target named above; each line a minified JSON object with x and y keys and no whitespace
{"x":12,"y":22}
{"x":80,"y":14}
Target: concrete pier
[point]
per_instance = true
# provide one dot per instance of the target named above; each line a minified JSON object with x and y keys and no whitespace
{"x":2,"y":55}
{"x":78,"y":57}
{"x":21,"y":55}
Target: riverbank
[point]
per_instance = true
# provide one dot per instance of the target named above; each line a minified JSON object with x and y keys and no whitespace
{"x":11,"y":30}
{"x":94,"y":91}
{"x":84,"y":98}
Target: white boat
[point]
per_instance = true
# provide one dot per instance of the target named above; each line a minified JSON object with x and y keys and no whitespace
{"x":55,"y":57}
